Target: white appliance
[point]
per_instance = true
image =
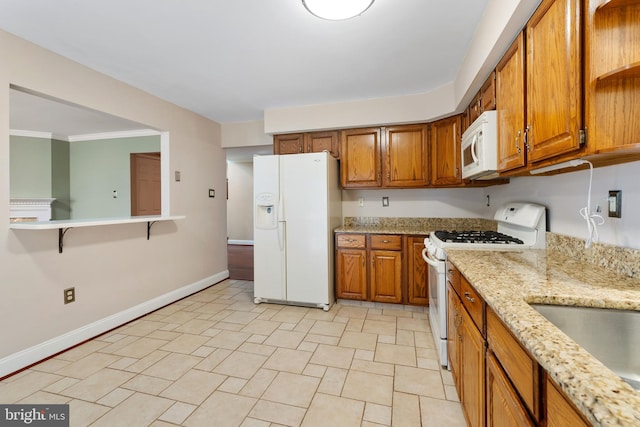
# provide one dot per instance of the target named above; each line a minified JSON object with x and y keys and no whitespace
{"x":520,"y":226}
{"x":297,"y":205}
{"x":480,"y":148}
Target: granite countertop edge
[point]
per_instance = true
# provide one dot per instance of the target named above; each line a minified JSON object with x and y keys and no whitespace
{"x":375,"y":229}
{"x":510,"y":280}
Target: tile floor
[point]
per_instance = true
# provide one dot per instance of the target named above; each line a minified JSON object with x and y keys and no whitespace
{"x":216,"y":359}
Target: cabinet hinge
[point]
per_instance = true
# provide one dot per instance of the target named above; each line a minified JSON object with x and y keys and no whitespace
{"x":582,"y":137}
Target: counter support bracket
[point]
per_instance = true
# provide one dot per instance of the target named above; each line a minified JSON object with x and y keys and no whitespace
{"x":61,"y":233}
{"x":149,"y":224}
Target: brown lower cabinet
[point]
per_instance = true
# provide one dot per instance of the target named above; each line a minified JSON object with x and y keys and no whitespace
{"x":467,"y":348}
{"x":561,"y":412}
{"x":504,"y":408}
{"x":499,"y":383}
{"x":472,"y":371}
{"x":381,"y":267}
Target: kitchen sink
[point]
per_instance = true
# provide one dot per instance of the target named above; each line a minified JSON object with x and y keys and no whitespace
{"x":611,"y":336}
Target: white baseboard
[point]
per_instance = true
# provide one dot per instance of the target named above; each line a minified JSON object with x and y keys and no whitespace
{"x":31,"y":355}
{"x":240,"y":242}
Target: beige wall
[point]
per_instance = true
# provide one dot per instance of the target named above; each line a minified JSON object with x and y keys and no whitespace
{"x":245,"y":134}
{"x":117,"y":273}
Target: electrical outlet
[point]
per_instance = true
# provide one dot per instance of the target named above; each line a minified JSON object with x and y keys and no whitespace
{"x":177,"y":176}
{"x":69,"y":295}
{"x":385,"y":201}
{"x":212,"y":192}
{"x":615,"y":203}
{"x":361,"y":202}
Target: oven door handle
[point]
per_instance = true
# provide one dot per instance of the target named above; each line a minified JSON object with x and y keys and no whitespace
{"x":428,"y":259}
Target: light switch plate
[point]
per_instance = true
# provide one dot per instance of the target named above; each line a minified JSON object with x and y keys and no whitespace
{"x":385,"y":201}
{"x":212,"y":192}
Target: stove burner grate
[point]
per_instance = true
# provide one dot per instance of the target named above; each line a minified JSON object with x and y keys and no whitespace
{"x":482,"y":237}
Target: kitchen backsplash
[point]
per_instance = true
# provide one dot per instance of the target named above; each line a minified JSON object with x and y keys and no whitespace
{"x":430,"y":224}
{"x":624,"y":261}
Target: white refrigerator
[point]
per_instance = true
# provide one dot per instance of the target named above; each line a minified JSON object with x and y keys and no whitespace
{"x":297,"y":205}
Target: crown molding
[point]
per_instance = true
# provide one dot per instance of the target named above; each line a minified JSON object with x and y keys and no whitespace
{"x":113,"y":135}
{"x":30,"y":133}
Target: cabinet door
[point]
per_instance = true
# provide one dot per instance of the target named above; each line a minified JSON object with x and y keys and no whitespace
{"x":474,"y":108}
{"x":417,"y":272}
{"x":406,"y":156}
{"x":488,"y":94}
{"x":386,"y":276}
{"x":454,"y":339}
{"x":465,"y":120}
{"x":510,"y":87}
{"x":504,"y":409}
{"x":360,"y":158}
{"x":288,"y":144}
{"x":445,"y":152}
{"x":317,"y":142}
{"x":351,"y":274}
{"x":472,"y":371}
{"x":554,"y":79}
{"x":560,"y":412}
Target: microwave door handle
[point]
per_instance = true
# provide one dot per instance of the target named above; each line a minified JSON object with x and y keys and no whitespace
{"x":473,"y":148}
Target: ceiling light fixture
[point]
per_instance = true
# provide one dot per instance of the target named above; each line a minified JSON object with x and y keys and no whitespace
{"x":336,"y":10}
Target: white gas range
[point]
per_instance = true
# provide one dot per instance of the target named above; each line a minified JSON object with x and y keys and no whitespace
{"x":520,"y":226}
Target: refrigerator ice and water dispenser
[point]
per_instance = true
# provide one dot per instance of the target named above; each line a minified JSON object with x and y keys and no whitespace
{"x":266,"y":211}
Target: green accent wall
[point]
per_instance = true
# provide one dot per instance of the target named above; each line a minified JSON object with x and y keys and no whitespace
{"x":80,"y":175}
{"x":30,"y":174}
{"x":99,"y":167}
{"x":60,"y":180}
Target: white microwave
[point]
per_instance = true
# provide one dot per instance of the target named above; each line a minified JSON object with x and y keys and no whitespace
{"x":480,"y":148}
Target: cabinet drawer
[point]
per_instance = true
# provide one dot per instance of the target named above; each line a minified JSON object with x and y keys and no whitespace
{"x":521,"y":368}
{"x":473,"y":303}
{"x":351,"y":241}
{"x":390,"y":242}
{"x":453,"y":277}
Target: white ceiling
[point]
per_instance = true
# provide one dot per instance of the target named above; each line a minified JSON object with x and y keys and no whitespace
{"x":230,"y":60}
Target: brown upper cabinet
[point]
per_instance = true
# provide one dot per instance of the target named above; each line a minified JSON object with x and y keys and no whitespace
{"x":488,"y":94}
{"x":539,"y":87}
{"x":406,"y":156}
{"x":484,"y":100}
{"x":445,"y":152}
{"x":510,"y":87}
{"x":310,"y":142}
{"x":554,"y":79}
{"x":360,"y":164}
{"x":395,"y":156}
{"x":291,"y":143}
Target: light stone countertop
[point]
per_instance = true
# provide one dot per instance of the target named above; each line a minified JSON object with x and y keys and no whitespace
{"x":510,"y":280}
{"x":419,"y":226}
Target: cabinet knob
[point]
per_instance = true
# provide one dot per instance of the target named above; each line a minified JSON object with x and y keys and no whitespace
{"x":468,"y":297}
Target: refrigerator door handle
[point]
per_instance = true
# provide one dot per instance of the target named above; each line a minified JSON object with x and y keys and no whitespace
{"x":282,"y":229}
{"x":281,"y":208}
